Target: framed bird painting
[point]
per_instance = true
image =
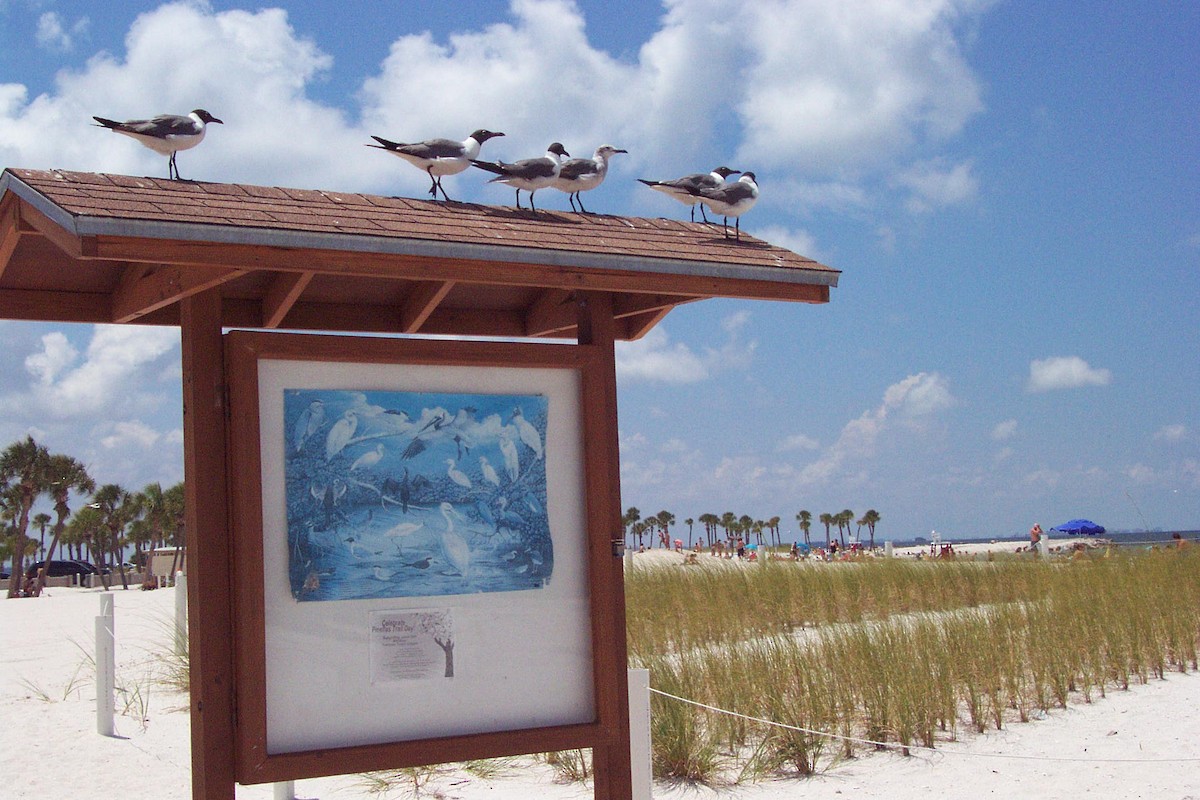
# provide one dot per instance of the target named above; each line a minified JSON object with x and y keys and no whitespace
{"x":414,"y":559}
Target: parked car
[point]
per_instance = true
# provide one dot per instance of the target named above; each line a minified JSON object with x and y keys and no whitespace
{"x":58,"y":569}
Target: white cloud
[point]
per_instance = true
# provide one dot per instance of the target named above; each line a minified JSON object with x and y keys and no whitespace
{"x":831,"y":89}
{"x":933,"y":185}
{"x":797,"y":441}
{"x":1140,"y":473}
{"x":655,"y":358}
{"x":921,"y":395}
{"x":131,"y":433}
{"x":52,"y":35}
{"x":798,"y":241}
{"x":1004,"y":430}
{"x":1064,"y":372}
{"x":117,"y":357}
{"x":833,"y":85}
{"x":1171,"y":433}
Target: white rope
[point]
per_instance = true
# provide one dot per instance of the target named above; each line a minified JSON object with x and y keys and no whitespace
{"x":941,"y":750}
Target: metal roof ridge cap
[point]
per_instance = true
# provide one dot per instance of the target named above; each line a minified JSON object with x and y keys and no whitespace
{"x":10,"y":181}
{"x":392,"y":245}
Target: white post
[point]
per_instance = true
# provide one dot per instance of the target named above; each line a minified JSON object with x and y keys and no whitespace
{"x":888,"y":551}
{"x":639,"y":734}
{"x":1044,"y":546}
{"x":105,"y":666}
{"x":181,"y":621}
{"x":285,"y":790}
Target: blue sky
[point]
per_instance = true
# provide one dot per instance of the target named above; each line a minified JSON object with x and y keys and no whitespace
{"x":1009,"y":189}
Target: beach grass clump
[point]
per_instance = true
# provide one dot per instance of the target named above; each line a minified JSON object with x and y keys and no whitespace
{"x":890,"y":653}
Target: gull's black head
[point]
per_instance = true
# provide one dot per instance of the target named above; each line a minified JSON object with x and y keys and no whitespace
{"x":558,"y":150}
{"x":483,"y":134}
{"x":725,"y":172}
{"x":205,"y":116}
{"x":750,"y":175}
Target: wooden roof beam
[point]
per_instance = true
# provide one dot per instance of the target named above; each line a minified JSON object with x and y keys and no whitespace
{"x":551,"y":312}
{"x":144,"y":290}
{"x":10,"y":232}
{"x":282,"y":295}
{"x":420,"y":302}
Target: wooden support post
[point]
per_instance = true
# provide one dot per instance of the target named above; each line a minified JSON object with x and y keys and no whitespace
{"x":210,"y":632}
{"x":597,"y":327}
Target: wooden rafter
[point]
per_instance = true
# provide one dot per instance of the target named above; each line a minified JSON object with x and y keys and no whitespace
{"x":283,"y":293}
{"x":149,"y":290}
{"x":551,"y":312}
{"x":421,"y":301}
{"x":10,"y":232}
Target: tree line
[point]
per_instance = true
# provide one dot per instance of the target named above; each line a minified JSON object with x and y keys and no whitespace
{"x":732,"y":526}
{"x":99,"y":530}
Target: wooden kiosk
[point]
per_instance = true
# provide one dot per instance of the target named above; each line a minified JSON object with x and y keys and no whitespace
{"x":233,"y":266}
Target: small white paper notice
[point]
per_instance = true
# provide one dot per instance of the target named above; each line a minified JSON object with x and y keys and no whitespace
{"x":411,"y":645}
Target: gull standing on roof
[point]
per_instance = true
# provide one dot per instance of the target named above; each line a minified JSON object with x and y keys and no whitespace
{"x":732,"y":200}
{"x":529,"y":174}
{"x":581,"y":174}
{"x":438,"y":157}
{"x":165,"y":134}
{"x":684,"y":189}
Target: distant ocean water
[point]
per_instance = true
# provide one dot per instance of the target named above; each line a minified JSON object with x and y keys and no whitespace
{"x":1121,"y":538}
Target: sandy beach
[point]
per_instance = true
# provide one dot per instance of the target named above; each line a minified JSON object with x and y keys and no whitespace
{"x":1141,"y":743}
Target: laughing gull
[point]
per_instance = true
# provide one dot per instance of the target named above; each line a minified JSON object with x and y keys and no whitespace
{"x":529,"y":174}
{"x":732,"y":200}
{"x":684,"y":189}
{"x":166,"y":134}
{"x":581,"y":174}
{"x":438,"y":157}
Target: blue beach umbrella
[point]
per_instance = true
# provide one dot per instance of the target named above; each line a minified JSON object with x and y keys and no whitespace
{"x":1076,"y":527}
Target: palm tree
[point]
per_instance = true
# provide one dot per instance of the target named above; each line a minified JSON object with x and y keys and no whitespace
{"x":773,"y":524}
{"x":630,"y":518}
{"x":23,"y":472}
{"x":40,"y":521}
{"x":153,"y":503}
{"x":66,"y":475}
{"x":844,"y":520}
{"x":826,"y":520}
{"x":689,"y":522}
{"x":173,"y":516}
{"x":871,"y":519}
{"x":117,"y":509}
{"x":665,"y":520}
{"x":804,"y":519}
{"x":728,"y":520}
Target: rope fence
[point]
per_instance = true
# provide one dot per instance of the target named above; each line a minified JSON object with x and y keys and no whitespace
{"x":939,"y":750}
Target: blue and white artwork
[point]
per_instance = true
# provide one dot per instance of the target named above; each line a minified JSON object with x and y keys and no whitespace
{"x":409,"y":494}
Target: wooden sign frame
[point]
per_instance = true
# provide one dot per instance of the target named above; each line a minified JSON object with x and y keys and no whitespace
{"x":244,"y":351}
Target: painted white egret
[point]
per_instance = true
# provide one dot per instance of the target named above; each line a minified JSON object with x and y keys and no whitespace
{"x":457,"y":475}
{"x":512,"y":464}
{"x":368,"y":459}
{"x":340,"y":434}
{"x":528,"y":433}
{"x":454,"y":546}
{"x":309,"y":422}
{"x":489,"y":472}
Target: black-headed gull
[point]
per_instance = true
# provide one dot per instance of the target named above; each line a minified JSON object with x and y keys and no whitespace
{"x":684,"y":189}
{"x":166,"y":134}
{"x":438,"y":157}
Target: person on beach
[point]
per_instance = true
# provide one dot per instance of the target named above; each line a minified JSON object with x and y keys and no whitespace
{"x":1035,"y":536}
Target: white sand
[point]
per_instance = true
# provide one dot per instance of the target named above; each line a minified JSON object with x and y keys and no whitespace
{"x":51,"y":747}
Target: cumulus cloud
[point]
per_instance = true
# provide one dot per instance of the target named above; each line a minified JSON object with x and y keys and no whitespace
{"x":917,"y":396}
{"x":116,"y":358}
{"x":56,"y":37}
{"x":655,"y":357}
{"x":934,"y":185}
{"x":1064,"y":372}
{"x":826,"y":91}
{"x":797,"y":441}
{"x":1004,"y":430}
{"x":1171,"y":433}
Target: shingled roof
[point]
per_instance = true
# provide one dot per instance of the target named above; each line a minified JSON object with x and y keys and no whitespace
{"x":115,"y":248}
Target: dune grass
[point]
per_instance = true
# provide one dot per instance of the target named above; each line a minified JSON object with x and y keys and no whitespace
{"x":893,"y":651}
